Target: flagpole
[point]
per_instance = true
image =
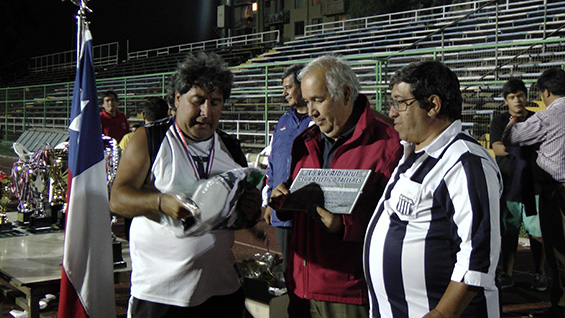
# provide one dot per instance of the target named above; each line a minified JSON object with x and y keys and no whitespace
{"x":82,"y":24}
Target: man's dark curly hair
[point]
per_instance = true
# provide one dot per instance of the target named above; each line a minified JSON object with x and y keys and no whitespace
{"x":205,"y":70}
{"x":432,"y":77}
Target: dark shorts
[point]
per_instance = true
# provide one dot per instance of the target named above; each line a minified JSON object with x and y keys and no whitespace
{"x":217,"y":306}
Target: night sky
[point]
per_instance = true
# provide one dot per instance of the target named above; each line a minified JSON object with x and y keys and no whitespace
{"x":31,"y":28}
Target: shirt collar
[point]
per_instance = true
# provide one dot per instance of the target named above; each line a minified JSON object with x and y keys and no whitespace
{"x":435,"y":148}
{"x":560,"y":100}
{"x":298,"y":115}
{"x":341,"y":139}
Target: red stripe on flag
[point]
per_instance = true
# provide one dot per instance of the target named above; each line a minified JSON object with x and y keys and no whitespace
{"x":69,"y":303}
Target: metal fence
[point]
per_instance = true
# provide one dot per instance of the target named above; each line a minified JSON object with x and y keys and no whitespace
{"x":241,"y":40}
{"x":104,"y":55}
{"x":256,"y":101}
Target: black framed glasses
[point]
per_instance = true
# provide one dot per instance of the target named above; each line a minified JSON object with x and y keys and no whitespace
{"x":400,"y":105}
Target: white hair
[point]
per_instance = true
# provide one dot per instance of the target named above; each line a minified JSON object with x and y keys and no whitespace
{"x":338,"y":74}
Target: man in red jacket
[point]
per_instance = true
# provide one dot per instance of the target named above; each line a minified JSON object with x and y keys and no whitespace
{"x":114,"y":122}
{"x":325,"y":268}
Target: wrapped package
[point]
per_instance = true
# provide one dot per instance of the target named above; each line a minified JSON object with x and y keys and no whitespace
{"x":213,"y":203}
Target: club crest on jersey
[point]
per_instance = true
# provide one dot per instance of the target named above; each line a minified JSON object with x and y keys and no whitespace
{"x":405,"y":205}
{"x":283,"y":128}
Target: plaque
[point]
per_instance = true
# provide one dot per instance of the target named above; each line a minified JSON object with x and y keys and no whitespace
{"x":336,"y":190}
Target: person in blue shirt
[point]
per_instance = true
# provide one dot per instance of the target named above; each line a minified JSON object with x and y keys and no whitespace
{"x":290,"y":124}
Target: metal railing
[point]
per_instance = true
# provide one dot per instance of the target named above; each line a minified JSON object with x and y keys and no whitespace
{"x":47,"y":106}
{"x":107,"y":54}
{"x":434,"y":15}
{"x":451,"y":11}
{"x":242,"y":40}
{"x":104,"y":54}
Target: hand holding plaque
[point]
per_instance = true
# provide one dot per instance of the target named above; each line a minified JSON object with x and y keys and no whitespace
{"x":304,"y":199}
{"x":335,"y":190}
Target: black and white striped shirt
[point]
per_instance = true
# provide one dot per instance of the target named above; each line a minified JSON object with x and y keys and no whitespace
{"x":437,"y":221}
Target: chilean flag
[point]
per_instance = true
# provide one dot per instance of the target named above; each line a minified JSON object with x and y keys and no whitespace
{"x":87,"y":278}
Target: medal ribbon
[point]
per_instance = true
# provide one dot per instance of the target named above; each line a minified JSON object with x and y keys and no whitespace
{"x":211,"y":154}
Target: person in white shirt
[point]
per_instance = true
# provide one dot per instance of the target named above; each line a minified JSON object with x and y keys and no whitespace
{"x":182,"y":276}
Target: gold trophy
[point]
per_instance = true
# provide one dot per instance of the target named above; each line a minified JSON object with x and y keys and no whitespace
{"x":5,"y":198}
{"x":58,"y":173}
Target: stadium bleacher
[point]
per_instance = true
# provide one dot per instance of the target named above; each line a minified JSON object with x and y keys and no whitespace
{"x":484,"y":42}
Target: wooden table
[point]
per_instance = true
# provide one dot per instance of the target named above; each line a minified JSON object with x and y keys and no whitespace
{"x":32,"y":264}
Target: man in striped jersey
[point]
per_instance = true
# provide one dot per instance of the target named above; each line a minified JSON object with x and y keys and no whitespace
{"x":432,"y":246}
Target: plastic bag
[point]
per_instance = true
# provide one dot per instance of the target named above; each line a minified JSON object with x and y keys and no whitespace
{"x":213,"y":203}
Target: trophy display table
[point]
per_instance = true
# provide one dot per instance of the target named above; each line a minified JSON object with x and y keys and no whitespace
{"x":31,"y":263}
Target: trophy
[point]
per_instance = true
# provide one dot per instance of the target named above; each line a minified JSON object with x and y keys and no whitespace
{"x":58,"y":173}
{"x":112,"y":158}
{"x":5,"y":224}
{"x":38,"y":179}
{"x":117,"y":249}
{"x":21,"y":190}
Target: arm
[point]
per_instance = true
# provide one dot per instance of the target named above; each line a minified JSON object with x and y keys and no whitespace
{"x":265,"y":204}
{"x":525,"y":133}
{"x":455,"y":299}
{"x":497,"y":126}
{"x":473,"y":190}
{"x":499,"y":149}
{"x":267,"y":215}
{"x":267,"y":191}
{"x":278,"y":195}
{"x":330,"y":222}
{"x":130,"y":195}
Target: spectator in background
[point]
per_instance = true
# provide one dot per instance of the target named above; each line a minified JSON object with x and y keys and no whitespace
{"x":432,"y":245}
{"x":153,"y":108}
{"x":125,"y":139}
{"x":518,"y":202}
{"x":187,"y":276}
{"x":114,"y":122}
{"x":547,"y":128}
{"x":289,"y":125}
{"x":325,"y":268}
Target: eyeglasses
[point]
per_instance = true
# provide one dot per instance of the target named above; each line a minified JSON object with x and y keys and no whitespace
{"x":400,"y":105}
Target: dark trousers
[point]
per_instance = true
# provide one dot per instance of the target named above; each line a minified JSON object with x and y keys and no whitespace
{"x":552,"y":222}
{"x":230,"y":306}
{"x":283,"y":238}
{"x":298,"y":307}
{"x":306,"y":308}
